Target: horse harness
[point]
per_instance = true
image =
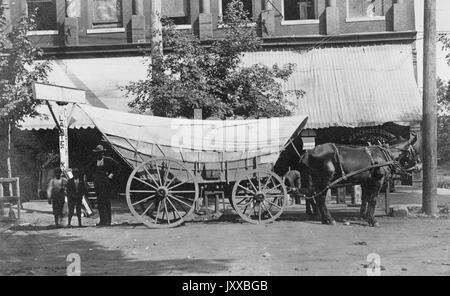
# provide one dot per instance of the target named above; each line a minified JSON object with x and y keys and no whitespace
{"x":386,"y":154}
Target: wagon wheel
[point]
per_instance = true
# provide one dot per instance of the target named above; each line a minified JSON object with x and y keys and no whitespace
{"x":161,"y":193}
{"x":259,"y":196}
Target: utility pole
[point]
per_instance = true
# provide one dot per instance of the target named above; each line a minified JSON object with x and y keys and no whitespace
{"x":429,"y":202}
{"x":156,"y":31}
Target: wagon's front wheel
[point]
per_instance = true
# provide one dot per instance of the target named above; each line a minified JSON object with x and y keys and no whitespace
{"x":161,"y":193}
{"x":259,"y":197}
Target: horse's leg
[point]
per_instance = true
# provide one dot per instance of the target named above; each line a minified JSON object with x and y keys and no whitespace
{"x":314,"y":208}
{"x":324,"y":212}
{"x":322,"y":205}
{"x":311,"y":209}
{"x":308,"y":208}
{"x":364,"y":198}
{"x":324,"y":179}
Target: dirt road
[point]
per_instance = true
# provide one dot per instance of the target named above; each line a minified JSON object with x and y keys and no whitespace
{"x":291,"y":246}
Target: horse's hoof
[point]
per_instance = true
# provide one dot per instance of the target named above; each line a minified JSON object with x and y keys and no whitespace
{"x":329,"y":222}
{"x":374,"y":224}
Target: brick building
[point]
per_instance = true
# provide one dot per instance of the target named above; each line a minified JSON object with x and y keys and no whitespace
{"x":356,"y":59}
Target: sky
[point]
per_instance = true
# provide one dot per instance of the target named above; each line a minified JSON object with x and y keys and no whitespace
{"x":443,"y":25}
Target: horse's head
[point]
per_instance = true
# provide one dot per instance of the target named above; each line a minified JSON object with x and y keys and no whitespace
{"x":409,"y":159}
{"x":406,"y":154}
{"x":290,"y":156}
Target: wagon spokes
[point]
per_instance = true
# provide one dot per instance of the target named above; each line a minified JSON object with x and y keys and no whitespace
{"x":161,"y":193}
{"x":259,"y":196}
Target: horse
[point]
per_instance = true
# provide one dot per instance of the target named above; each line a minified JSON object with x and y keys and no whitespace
{"x":329,"y":162}
{"x":289,"y":162}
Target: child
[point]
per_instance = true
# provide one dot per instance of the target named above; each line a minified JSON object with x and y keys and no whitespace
{"x":76,"y":189}
{"x":293,"y":181}
{"x":56,"y":196}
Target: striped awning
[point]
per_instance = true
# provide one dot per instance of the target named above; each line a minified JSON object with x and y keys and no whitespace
{"x":344,"y":86}
{"x":351,"y":86}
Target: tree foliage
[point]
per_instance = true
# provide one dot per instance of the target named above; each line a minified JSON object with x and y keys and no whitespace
{"x":20,"y":64}
{"x":444,"y":39}
{"x":210,"y":77}
{"x":443,"y":98}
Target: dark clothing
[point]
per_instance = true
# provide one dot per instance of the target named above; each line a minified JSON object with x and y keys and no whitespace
{"x":56,"y":193}
{"x":104,"y":209}
{"x":58,"y":206}
{"x":104,"y":186}
{"x":293,"y":181}
{"x":76,"y":189}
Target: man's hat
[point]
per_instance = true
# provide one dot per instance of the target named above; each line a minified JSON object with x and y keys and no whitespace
{"x":99,"y":148}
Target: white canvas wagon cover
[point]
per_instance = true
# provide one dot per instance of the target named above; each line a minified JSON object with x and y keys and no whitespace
{"x":137,"y":137}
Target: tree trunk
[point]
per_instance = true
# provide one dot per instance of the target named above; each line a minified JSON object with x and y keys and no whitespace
{"x":8,"y":160}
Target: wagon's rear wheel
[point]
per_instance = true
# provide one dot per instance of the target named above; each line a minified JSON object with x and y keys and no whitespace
{"x":259,"y":197}
{"x":161,"y":193}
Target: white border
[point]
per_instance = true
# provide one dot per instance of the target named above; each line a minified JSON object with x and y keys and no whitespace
{"x":300,"y":22}
{"x":43,"y":33}
{"x":365,"y":19}
{"x":183,"y":27}
{"x":105,"y":30}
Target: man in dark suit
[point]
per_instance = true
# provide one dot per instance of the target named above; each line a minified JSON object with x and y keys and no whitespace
{"x":105,"y":170}
{"x":76,"y":189}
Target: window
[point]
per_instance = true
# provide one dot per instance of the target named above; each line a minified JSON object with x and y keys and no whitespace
{"x":295,"y":10}
{"x":365,"y":9}
{"x":106,"y":13}
{"x":178,"y":11}
{"x":223,"y":6}
{"x":44,"y":12}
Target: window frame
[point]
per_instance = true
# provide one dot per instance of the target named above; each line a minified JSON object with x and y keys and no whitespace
{"x":103,"y":28}
{"x":48,"y":32}
{"x":299,"y":21}
{"x":349,"y":19}
{"x":188,"y":25}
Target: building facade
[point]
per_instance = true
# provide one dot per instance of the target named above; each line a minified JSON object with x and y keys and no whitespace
{"x":67,"y":27}
{"x":355,"y":59}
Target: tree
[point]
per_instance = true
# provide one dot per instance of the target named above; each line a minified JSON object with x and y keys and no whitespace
{"x":210,"y":77}
{"x":444,"y":39}
{"x":443,"y":98}
{"x":19,"y":67}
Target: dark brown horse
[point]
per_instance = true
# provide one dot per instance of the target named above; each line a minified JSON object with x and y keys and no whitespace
{"x":329,"y":162}
{"x":289,"y":161}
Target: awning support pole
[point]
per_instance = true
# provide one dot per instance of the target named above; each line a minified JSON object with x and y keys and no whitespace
{"x":54,"y":117}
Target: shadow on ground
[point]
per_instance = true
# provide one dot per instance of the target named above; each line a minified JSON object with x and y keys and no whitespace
{"x":26,"y":252}
{"x":340,"y":215}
